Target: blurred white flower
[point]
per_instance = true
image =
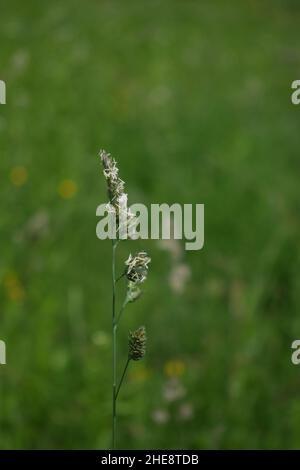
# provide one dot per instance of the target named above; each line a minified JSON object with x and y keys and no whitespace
{"x":160,"y":416}
{"x":36,"y":227}
{"x":185,"y":411}
{"x":173,"y":390}
{"x":174,"y":248}
{"x":180,"y":272}
{"x":179,"y":276}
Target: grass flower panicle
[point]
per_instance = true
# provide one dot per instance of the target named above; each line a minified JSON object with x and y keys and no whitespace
{"x":117,"y":206}
{"x":137,"y":267}
{"x":115,"y":185}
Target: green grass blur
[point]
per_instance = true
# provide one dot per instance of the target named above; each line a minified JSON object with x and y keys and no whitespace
{"x":193,"y":99}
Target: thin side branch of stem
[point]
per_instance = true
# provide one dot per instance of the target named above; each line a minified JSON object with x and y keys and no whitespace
{"x":122,"y":378}
{"x":120,"y":277}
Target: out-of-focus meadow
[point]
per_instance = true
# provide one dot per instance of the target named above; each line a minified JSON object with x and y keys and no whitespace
{"x":193,"y":99}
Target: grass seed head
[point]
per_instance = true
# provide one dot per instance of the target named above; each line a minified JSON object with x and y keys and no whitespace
{"x":137,"y":344}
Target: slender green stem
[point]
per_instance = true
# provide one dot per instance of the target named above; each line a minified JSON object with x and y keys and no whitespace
{"x":122,"y":378}
{"x":114,"y":335}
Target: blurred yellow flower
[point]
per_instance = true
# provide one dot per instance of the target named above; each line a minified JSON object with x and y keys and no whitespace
{"x":16,"y":293}
{"x":10,"y":278}
{"x":67,"y":189}
{"x":13,"y":287}
{"x":18,"y":175}
{"x":174,"y":368}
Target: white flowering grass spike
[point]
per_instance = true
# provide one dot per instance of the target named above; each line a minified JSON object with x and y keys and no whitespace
{"x":136,"y":271}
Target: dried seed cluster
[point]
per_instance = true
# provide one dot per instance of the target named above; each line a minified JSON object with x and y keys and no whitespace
{"x":137,"y":344}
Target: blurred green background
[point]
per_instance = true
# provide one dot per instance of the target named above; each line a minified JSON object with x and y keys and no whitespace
{"x":193,"y":99}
